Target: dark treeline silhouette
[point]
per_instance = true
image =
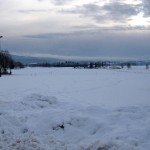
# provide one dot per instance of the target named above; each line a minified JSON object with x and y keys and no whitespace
{"x":147,"y":66}
{"x":71,"y":64}
{"x":7,"y":63}
{"x":87,"y":65}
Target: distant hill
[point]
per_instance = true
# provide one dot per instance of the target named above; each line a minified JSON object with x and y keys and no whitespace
{"x":32,"y":60}
{"x":35,"y":60}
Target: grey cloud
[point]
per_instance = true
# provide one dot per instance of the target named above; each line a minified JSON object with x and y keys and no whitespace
{"x":87,"y":10}
{"x":115,"y":11}
{"x":146,"y":7}
{"x":47,"y":35}
{"x":33,"y":11}
{"x":95,"y":28}
{"x":121,"y":11}
{"x":60,"y":2}
{"x":87,"y":31}
{"x":60,"y":35}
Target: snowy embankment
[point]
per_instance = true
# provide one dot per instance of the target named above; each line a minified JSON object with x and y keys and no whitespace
{"x":75,"y":109}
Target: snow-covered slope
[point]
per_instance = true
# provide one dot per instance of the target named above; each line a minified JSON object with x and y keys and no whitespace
{"x":75,"y":109}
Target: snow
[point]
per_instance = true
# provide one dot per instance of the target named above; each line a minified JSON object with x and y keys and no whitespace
{"x":75,"y":109}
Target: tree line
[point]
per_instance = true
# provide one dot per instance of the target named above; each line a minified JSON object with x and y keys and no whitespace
{"x":7,"y":63}
{"x":91,"y":65}
{"x":88,"y":65}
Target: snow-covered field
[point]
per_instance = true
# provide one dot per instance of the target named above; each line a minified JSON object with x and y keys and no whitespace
{"x":75,"y":109}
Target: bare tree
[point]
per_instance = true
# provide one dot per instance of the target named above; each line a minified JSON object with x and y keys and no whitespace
{"x":147,"y":66}
{"x":6,"y":62}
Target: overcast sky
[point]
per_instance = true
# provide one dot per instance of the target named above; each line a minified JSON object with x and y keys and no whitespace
{"x":76,"y":28}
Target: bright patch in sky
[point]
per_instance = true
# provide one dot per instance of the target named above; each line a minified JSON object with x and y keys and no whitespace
{"x":139,"y":20}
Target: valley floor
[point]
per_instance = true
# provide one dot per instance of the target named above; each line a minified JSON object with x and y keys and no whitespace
{"x":75,"y":109}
